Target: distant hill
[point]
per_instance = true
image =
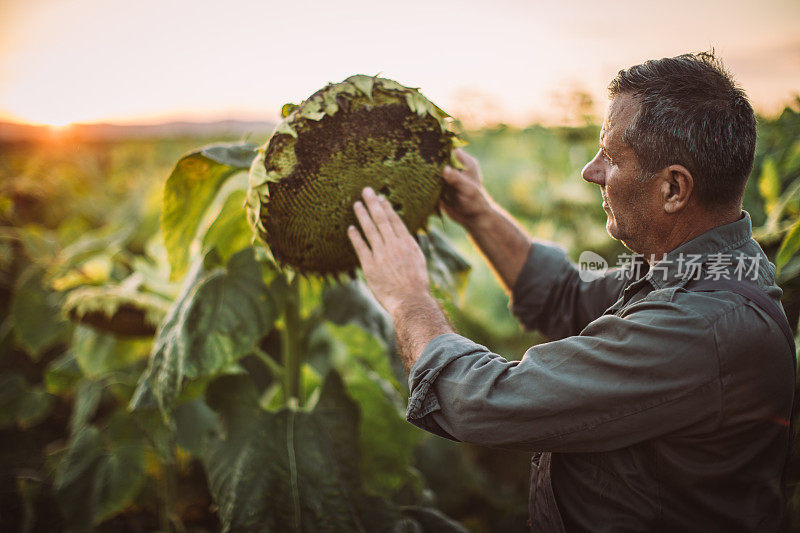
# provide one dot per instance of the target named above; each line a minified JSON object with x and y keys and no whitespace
{"x":257,"y":130}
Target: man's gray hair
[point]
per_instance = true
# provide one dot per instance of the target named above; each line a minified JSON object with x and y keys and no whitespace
{"x":692,"y":114}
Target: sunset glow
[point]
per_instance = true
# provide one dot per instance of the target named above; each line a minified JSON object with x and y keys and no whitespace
{"x":505,"y":61}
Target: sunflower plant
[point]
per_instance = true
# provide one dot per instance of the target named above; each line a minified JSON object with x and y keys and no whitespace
{"x":273,"y":354}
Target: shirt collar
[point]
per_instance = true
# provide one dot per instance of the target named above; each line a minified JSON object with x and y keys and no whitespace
{"x":684,"y":262}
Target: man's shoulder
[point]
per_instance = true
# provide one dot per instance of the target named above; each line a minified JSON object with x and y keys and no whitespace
{"x":736,"y":272}
{"x":710,"y":305}
{"x":725,"y":314}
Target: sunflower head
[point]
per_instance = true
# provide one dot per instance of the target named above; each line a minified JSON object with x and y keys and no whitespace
{"x":115,"y":309}
{"x":364,"y":131}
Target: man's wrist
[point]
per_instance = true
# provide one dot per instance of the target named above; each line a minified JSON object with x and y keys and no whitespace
{"x":417,"y":319}
{"x":411,"y":303}
{"x":483,"y":220}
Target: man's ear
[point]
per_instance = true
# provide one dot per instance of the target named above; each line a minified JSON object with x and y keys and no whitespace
{"x":676,"y":188}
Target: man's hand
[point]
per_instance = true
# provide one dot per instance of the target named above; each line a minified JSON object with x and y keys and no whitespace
{"x":504,"y":243}
{"x":465,"y":199}
{"x":395,"y":270}
{"x":393,"y":263}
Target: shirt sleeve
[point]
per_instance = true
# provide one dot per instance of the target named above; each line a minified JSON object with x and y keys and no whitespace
{"x":598,"y":391}
{"x":550,"y":296}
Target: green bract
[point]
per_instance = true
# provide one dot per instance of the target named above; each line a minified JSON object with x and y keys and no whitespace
{"x":364,"y":131}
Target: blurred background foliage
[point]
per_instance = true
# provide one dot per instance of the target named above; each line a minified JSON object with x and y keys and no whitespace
{"x":77,"y":217}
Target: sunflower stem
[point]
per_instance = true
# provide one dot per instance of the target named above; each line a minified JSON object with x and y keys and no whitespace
{"x":292,"y":356}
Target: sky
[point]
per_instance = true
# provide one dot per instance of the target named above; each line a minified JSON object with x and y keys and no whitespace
{"x":485,"y":62}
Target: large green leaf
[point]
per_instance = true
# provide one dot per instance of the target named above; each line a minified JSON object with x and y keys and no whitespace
{"x":34,"y":407}
{"x":100,"y":243}
{"x":284,"y":471}
{"x":88,"y":394}
{"x":75,"y":479}
{"x":21,"y":403}
{"x":99,"y":353}
{"x":189,"y":192}
{"x":221,"y":314}
{"x":36,"y":313}
{"x":447,"y":268}
{"x":785,"y":203}
{"x":789,"y":245}
{"x":6,"y":335}
{"x":39,"y":243}
{"x":230,"y":231}
{"x":387,"y":440}
{"x":351,"y":344}
{"x":194,"y":421}
{"x":294,"y":470}
{"x":354,"y":303}
{"x":62,"y":374}
{"x":100,"y":474}
{"x":769,"y":184}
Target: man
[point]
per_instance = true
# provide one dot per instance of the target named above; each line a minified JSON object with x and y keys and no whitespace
{"x":658,"y":407}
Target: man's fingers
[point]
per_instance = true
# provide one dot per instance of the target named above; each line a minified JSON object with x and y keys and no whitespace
{"x":394,"y":219}
{"x":370,"y":230}
{"x":469,"y":161}
{"x":451,"y":175}
{"x":362,"y":250}
{"x":470,"y":174}
{"x":379,"y":213}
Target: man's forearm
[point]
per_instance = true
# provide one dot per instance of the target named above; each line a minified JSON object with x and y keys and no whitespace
{"x":502,"y":241}
{"x":417,"y":321}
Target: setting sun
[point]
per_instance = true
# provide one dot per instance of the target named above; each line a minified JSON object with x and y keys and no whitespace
{"x":57,"y":129}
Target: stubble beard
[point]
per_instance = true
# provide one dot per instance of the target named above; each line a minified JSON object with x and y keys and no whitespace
{"x":633,"y":230}
{"x":624,"y":232}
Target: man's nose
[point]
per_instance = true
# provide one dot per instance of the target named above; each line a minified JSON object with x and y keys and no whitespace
{"x":594,"y":171}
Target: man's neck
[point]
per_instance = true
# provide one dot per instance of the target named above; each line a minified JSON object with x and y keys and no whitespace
{"x":684,"y":230}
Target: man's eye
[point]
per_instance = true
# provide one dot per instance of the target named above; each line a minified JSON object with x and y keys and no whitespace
{"x":606,"y":156}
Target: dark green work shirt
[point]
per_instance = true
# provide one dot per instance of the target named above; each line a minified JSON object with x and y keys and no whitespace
{"x":664,"y":409}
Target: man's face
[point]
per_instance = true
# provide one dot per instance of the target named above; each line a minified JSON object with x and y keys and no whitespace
{"x":628,"y":198}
